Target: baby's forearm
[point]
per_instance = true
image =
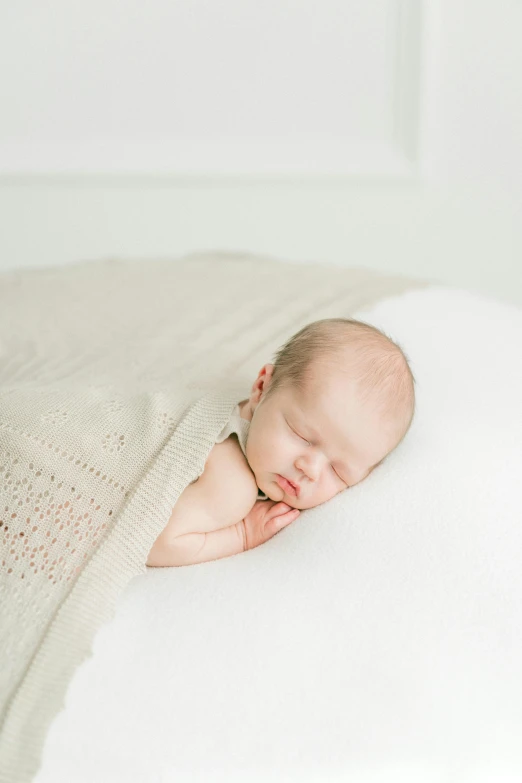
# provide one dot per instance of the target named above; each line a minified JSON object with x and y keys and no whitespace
{"x":193,"y":548}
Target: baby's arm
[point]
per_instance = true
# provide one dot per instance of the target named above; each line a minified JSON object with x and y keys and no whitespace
{"x":264,"y":520}
{"x":221,"y":496}
{"x":199,"y":511}
{"x":219,"y":514}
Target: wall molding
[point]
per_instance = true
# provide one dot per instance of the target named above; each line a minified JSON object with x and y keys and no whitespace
{"x":304,"y":157}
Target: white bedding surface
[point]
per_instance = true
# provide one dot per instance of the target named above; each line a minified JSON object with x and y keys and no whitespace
{"x":376,"y":639}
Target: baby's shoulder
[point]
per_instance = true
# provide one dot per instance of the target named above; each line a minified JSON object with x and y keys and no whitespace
{"x":228,"y":456}
{"x":229,"y":478}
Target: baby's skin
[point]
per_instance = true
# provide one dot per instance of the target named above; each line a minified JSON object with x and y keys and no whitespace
{"x":264,"y":520}
{"x":323,"y":440}
{"x":303,"y":448}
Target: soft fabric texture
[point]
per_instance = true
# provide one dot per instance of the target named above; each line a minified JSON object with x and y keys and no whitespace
{"x":236,"y":424}
{"x":116,"y":378}
{"x":376,"y":639}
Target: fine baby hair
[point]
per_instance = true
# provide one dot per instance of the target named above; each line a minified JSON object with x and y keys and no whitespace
{"x":366,"y":354}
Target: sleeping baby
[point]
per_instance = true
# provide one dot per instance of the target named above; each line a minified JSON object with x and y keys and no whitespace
{"x":337,"y":400}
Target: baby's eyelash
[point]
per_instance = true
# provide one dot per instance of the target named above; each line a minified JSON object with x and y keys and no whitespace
{"x":308,"y":442}
{"x":299,"y":436}
{"x":338,"y":476}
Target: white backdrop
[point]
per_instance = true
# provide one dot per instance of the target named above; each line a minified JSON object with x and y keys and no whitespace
{"x":384,"y":134}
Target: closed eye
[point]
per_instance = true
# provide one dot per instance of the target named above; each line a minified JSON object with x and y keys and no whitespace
{"x":296,"y":433}
{"x":308,"y":442}
{"x":300,"y":436}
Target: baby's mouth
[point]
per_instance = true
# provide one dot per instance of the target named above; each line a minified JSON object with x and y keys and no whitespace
{"x":288,"y":486}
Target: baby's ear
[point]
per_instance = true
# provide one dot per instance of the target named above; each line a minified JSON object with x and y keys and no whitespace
{"x":262,"y":381}
{"x":268,"y":371}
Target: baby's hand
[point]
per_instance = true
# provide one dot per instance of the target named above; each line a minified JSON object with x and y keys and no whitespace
{"x":264,"y":520}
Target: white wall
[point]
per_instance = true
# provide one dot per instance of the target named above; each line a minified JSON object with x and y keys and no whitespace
{"x":475,"y":102}
{"x":196,"y":87}
{"x":384,"y":134}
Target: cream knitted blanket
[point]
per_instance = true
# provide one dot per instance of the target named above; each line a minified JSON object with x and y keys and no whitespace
{"x":116,"y":378}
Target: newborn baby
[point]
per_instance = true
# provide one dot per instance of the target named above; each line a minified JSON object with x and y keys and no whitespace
{"x":337,"y":400}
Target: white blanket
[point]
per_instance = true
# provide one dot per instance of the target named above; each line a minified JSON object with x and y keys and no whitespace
{"x":115,"y":380}
{"x":376,"y":639}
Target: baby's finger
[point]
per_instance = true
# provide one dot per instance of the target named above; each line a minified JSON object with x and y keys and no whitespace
{"x":284,"y":519}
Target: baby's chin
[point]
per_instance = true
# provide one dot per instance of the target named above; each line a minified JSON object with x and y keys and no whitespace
{"x":273,"y":493}
{"x":271,"y":489}
{"x":276,"y":493}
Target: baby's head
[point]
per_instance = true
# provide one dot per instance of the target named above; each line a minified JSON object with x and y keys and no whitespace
{"x":337,"y":400}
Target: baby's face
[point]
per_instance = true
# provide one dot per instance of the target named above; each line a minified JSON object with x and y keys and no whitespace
{"x":324,"y":441}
